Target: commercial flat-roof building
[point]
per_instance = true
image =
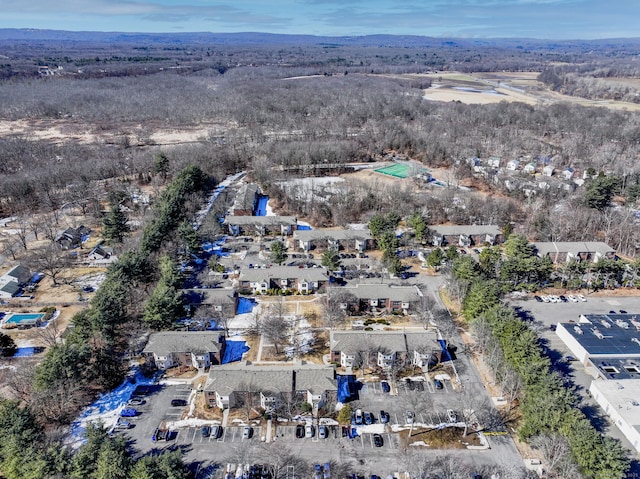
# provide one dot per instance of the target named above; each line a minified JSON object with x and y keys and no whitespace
{"x":599,"y":336}
{"x":621,"y":401}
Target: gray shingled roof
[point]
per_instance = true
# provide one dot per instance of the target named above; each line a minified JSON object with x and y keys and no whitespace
{"x":246,"y":197}
{"x":260,"y":220}
{"x":10,"y":287}
{"x":165,"y":343}
{"x":467,"y":230}
{"x":574,"y":247}
{"x":20,"y":273}
{"x":350,"y":342}
{"x":384,"y":291}
{"x":274,"y":378}
{"x":284,"y":272}
{"x":342,"y":234}
{"x":213,"y":295}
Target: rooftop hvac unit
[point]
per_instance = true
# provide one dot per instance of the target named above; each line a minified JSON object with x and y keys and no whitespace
{"x":636,"y":340}
{"x":578,"y":330}
{"x":606,"y":323}
{"x":635,"y":323}
{"x":622,"y":324}
{"x":597,"y":333}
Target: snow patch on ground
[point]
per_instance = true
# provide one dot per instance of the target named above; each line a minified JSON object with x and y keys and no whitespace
{"x":370,"y":429}
{"x":106,"y":409}
{"x":192,"y":422}
{"x":419,"y":443}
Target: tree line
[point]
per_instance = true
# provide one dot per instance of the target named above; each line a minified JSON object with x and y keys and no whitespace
{"x":90,"y":360}
{"x":548,"y":409}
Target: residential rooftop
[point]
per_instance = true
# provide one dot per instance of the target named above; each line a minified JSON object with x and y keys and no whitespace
{"x":576,"y":247}
{"x":384,"y":291}
{"x":339,"y":235}
{"x":283,"y":272}
{"x":297,"y":376}
{"x":166,"y":343}
{"x":391,"y":341}
{"x":260,"y":220}
{"x":467,"y":230}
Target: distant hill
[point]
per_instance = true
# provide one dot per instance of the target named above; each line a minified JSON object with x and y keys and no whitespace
{"x":256,"y":38}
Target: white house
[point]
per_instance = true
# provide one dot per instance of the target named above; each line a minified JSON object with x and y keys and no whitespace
{"x":548,"y":170}
{"x":567,"y":173}
{"x":530,"y":168}
{"x":513,"y":165}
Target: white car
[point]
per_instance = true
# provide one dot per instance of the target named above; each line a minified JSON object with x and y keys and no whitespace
{"x":451,"y":416}
{"x":556,"y":299}
{"x":546,"y":299}
{"x":572,"y":298}
{"x":582,"y":298}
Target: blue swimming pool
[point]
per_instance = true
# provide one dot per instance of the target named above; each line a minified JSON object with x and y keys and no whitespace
{"x":20,"y":318}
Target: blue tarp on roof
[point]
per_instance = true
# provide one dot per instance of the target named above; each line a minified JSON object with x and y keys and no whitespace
{"x":245,"y":305}
{"x":261,"y":206}
{"x":346,"y":387}
{"x":234,"y":350}
{"x":303,"y":227}
{"x":445,"y":352}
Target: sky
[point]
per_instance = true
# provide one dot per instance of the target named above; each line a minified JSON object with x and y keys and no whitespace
{"x":546,"y":19}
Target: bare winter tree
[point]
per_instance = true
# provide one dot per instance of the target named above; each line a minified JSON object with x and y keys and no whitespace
{"x":275,"y":326}
{"x":50,"y":261}
{"x":334,"y":305}
{"x":556,"y":455}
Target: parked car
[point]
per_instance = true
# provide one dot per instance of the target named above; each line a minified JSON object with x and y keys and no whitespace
{"x":563,"y":299}
{"x":438,"y":384}
{"x":171,"y":435}
{"x":206,"y":431}
{"x":384,"y":417}
{"x":582,"y":298}
{"x":326,"y":471}
{"x":178,"y":402}
{"x":317,"y":473}
{"x":309,"y":431}
{"x":129,"y":412}
{"x":538,"y":298}
{"x":409,"y":415}
{"x":385,"y":386}
{"x":142,"y":390}
{"x":569,"y":358}
{"x":377,"y":440}
{"x":299,"y":431}
{"x":247,"y":432}
{"x":323,"y":431}
{"x":546,"y":299}
{"x":552,"y":327}
{"x":123,"y":425}
{"x":451,"y":416}
{"x":136,"y":401}
{"x":622,"y":311}
{"x":572,"y":298}
{"x":368,"y":418}
{"x":358,"y":417}
{"x":216,"y":432}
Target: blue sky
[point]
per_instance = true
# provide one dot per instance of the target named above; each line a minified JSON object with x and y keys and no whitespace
{"x":550,"y":19}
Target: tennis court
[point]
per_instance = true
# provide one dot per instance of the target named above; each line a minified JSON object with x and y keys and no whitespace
{"x":402,"y":170}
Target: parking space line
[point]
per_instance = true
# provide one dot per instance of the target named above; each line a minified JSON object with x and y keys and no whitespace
{"x":431,"y":387}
